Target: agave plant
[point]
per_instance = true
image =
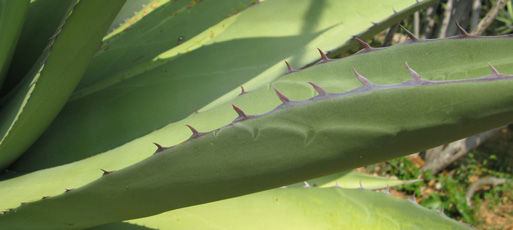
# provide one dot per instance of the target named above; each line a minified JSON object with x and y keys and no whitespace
{"x":101,"y":129}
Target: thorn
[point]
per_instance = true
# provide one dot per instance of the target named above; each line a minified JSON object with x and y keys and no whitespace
{"x":410,"y":34}
{"x":282,"y":97}
{"x":463,"y":31}
{"x":361,"y":185}
{"x":365,"y":45}
{"x":289,"y":67}
{"x":196,"y":111}
{"x":283,"y":187}
{"x":159,"y":148}
{"x":441,"y":211}
{"x":242,"y":91}
{"x":69,"y":189}
{"x":413,"y":199}
{"x":22,"y":203}
{"x":494,"y":70}
{"x":337,"y":185}
{"x":54,"y":36}
{"x":45,"y":197}
{"x":414,"y":74}
{"x":306,"y":185}
{"x":195,"y":132}
{"x":240,"y":112}
{"x":105,"y":172}
{"x":387,"y":191}
{"x":362,"y":79}
{"x":319,"y":89}
{"x":374,"y":23}
{"x":395,"y":11}
{"x":323,"y":56}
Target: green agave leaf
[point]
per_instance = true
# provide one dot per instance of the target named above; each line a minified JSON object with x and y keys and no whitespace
{"x":49,"y":84}
{"x":351,"y":179}
{"x":297,"y":141}
{"x":12,"y":17}
{"x":297,"y":208}
{"x":43,"y":19}
{"x":150,"y":85}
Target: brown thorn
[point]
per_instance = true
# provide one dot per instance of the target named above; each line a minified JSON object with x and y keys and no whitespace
{"x":410,"y":34}
{"x":323,"y":56}
{"x":69,"y":189}
{"x":242,"y":91}
{"x":45,"y":197}
{"x":364,"y":44}
{"x":239,"y":111}
{"x":196,"y":111}
{"x":159,"y":148}
{"x":105,"y":172}
{"x":194,"y":131}
{"x":362,"y":79}
{"x":412,"y":72}
{"x":282,"y":97}
{"x":494,"y":70}
{"x":289,"y":67}
{"x":463,"y":31}
{"x":319,"y":89}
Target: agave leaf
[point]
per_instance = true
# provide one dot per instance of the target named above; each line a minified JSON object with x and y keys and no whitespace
{"x":165,"y":82}
{"x":12,"y":17}
{"x":43,"y":19}
{"x":298,"y":208}
{"x":351,"y":179}
{"x":43,"y":93}
{"x":296,"y":141}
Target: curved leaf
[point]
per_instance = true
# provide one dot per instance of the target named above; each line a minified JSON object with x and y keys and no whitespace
{"x":146,"y":89}
{"x":301,"y":139}
{"x":313,"y":208}
{"x":43,"y":19}
{"x":352,"y":179}
{"x":43,"y":93}
{"x":12,"y":17}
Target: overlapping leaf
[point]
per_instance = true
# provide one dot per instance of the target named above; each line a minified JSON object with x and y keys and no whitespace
{"x":298,"y":208}
{"x":43,"y":93}
{"x":146,"y":77}
{"x":315,"y":137}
